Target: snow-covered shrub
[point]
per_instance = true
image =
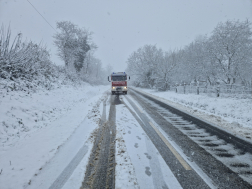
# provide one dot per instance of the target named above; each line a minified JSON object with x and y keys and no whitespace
{"x":26,"y":66}
{"x":23,"y":65}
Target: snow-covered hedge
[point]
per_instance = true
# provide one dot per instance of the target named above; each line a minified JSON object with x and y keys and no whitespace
{"x":26,"y":66}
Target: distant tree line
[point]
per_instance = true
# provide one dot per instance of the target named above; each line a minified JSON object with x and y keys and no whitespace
{"x":223,"y":57}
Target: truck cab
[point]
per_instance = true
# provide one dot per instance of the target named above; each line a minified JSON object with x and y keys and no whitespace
{"x":118,"y":83}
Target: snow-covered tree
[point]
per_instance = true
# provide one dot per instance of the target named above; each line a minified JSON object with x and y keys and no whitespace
{"x":166,"y":69}
{"x":230,"y":48}
{"x":143,"y":63}
{"x":73,"y":44}
{"x":109,"y":69}
{"x":224,"y":56}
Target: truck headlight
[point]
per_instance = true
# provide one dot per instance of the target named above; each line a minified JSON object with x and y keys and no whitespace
{"x":125,"y":87}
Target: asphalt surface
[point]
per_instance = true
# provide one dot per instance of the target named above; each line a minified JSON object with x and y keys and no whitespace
{"x":186,"y":176}
{"x":220,"y":174}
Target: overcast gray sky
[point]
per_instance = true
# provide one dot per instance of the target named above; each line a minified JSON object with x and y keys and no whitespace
{"x":122,"y":26}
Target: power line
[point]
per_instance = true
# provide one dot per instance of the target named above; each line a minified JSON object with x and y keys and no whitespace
{"x":41,"y":15}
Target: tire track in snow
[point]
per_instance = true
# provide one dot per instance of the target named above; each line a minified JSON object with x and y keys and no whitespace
{"x":67,"y":172}
{"x":100,"y":171}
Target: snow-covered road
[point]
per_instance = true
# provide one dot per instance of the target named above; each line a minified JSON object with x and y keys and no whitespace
{"x":139,"y":164}
{"x":191,"y":138}
{"x":47,"y":139}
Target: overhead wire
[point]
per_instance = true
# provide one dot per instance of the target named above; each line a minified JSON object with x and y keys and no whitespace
{"x":41,"y":15}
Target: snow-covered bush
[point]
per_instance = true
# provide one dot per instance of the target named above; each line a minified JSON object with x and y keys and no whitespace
{"x":26,"y":66}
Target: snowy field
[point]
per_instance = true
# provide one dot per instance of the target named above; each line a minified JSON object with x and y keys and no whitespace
{"x":39,"y":129}
{"x":231,"y":114}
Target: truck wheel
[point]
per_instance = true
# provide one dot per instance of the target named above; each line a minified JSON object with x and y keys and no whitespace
{"x":112,"y":92}
{"x":125,"y":92}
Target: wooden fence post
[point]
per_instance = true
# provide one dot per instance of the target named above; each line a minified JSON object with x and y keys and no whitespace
{"x":197,"y":87}
{"x":218,"y":91}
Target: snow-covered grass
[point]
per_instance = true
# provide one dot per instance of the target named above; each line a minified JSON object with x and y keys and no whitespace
{"x":35,"y":127}
{"x":22,"y":113}
{"x":231,"y":114}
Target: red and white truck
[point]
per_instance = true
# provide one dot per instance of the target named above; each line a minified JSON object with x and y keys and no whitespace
{"x":118,"y":82}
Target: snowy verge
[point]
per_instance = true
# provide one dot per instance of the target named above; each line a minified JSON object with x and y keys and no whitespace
{"x":230,"y":114}
{"x":23,"y":114}
{"x":28,"y":148}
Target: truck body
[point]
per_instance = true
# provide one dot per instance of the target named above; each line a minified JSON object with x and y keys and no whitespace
{"x":118,"y":83}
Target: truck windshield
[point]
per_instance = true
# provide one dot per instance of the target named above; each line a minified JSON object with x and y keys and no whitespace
{"x":119,"y":78}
